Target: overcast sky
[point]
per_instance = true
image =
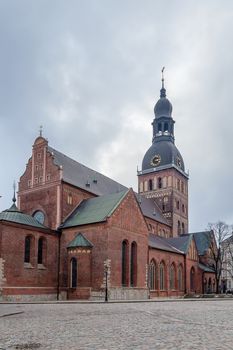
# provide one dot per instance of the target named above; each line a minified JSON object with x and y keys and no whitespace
{"x":89,"y":72}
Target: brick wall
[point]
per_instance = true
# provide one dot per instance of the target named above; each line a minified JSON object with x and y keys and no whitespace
{"x":28,"y":278}
{"x":158,"y":228}
{"x":71,"y":197}
{"x":126,"y":223}
{"x":168,"y":258}
{"x":172,"y":191}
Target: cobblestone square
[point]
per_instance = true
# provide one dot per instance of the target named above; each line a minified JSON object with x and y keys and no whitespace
{"x":146,"y":325}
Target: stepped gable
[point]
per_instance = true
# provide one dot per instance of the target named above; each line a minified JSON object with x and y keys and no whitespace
{"x":83,"y":177}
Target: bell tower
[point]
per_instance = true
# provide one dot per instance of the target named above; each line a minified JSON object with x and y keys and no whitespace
{"x":163,"y":175}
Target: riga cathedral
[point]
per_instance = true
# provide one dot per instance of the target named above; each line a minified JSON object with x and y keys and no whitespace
{"x":74,"y":233}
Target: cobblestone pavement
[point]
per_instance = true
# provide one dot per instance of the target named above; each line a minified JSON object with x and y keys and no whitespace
{"x":153,"y":325}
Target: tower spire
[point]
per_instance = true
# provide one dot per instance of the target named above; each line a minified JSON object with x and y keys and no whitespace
{"x":162,"y":77}
{"x":163,"y":90}
{"x":14,"y":198}
{"x":41,"y":130}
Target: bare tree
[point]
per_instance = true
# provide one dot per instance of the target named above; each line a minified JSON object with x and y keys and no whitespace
{"x":219,"y":233}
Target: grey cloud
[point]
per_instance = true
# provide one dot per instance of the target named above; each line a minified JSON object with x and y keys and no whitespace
{"x":89,"y":71}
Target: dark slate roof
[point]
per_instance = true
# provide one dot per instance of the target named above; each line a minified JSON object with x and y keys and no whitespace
{"x":168,"y":153}
{"x":181,"y":243}
{"x":94,"y":210}
{"x":162,"y":244}
{"x":79,"y":175}
{"x":14,"y":215}
{"x":151,"y":210}
{"x":205,"y":268}
{"x":202,"y":240}
{"x":80,"y":241}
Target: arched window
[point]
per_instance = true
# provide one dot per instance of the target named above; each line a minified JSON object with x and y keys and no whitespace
{"x":178,"y":205}
{"x":159,"y":127}
{"x":124,"y":263}
{"x":172,"y":277}
{"x":27,"y":249}
{"x":183,"y":230}
{"x":180,"y":278}
{"x":178,"y":227}
{"x":182,"y":187}
{"x":164,"y":185}
{"x":192,"y":279}
{"x":165,"y":126}
{"x":150,"y":185}
{"x":70,"y":199}
{"x":161,"y":276}
{"x":152,"y":275}
{"x":40,"y":251}
{"x":133,"y":265}
{"x":165,"y":201}
{"x":73,"y":273}
{"x":141,"y":186}
{"x":41,"y":256}
{"x":159,"y":182}
{"x":178,"y":184}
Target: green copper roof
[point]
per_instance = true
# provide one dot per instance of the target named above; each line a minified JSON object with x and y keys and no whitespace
{"x":14,"y":215}
{"x":94,"y":209}
{"x":80,"y":241}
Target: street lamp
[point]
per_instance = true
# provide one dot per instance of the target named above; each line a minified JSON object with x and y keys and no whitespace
{"x":106,"y":282}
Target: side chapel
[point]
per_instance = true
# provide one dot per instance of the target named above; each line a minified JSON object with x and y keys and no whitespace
{"x":74,"y":230}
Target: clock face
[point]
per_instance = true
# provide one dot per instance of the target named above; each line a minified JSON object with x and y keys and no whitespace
{"x":155,"y":160}
{"x":39,"y":216}
{"x":178,"y":161}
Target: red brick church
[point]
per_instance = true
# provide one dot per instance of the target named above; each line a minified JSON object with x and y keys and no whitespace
{"x":75,"y":232}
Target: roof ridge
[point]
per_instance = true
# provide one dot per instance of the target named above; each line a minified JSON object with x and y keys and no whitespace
{"x":77,"y":162}
{"x":118,"y":202}
{"x":169,"y":244}
{"x":157,"y":240}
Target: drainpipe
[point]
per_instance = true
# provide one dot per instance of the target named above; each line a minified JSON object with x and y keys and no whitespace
{"x":58,"y":263}
{"x":147,"y":273}
{"x":185,"y":277}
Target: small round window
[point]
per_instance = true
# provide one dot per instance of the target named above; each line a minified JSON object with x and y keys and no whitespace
{"x":39,"y":216}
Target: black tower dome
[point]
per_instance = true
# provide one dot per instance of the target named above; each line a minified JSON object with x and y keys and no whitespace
{"x":163,"y":151}
{"x":163,"y":107}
